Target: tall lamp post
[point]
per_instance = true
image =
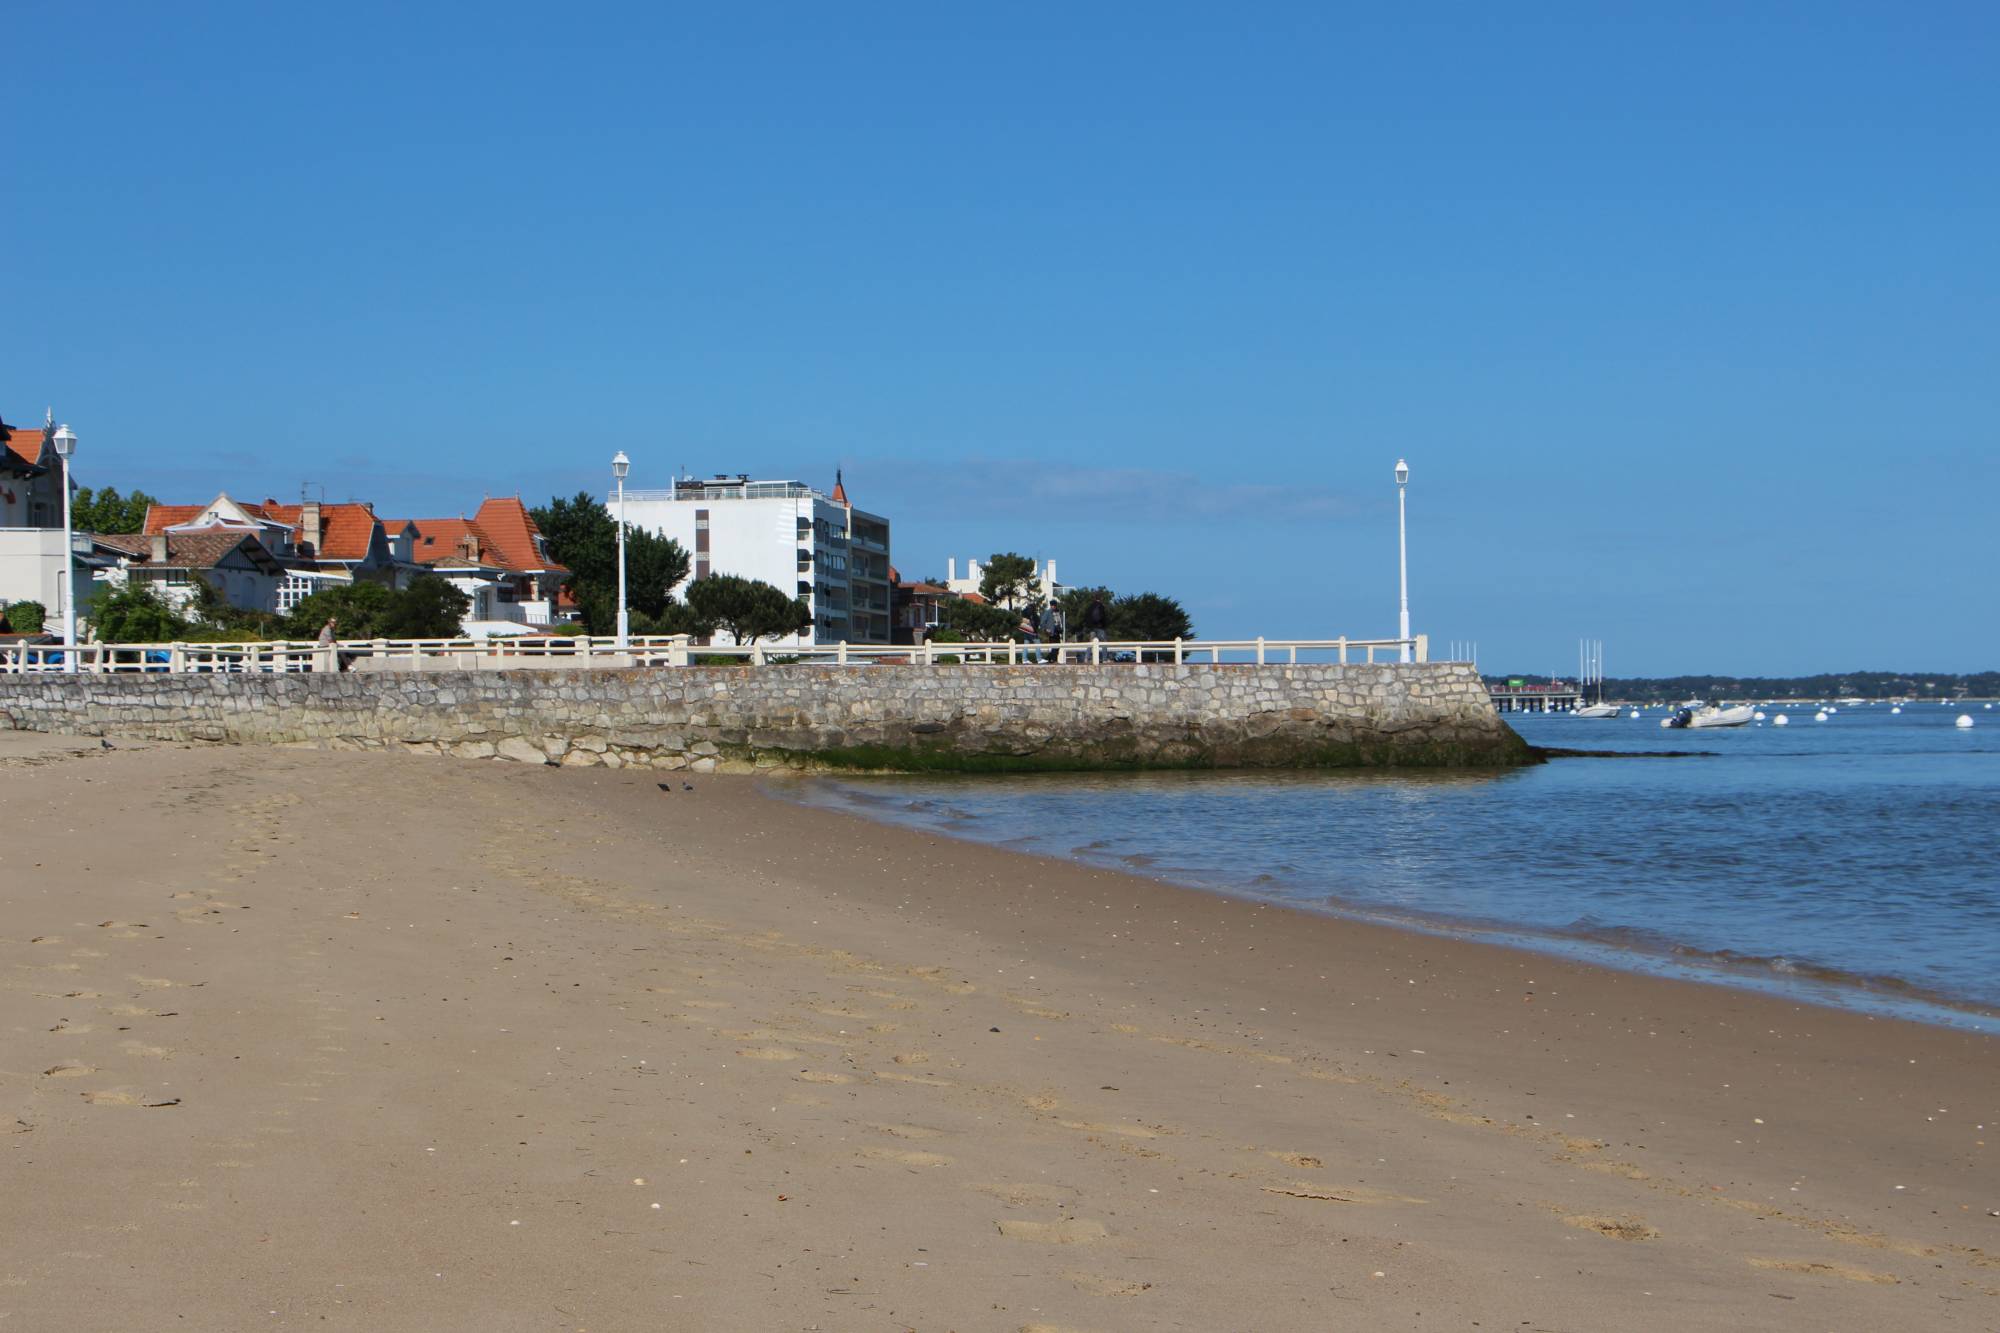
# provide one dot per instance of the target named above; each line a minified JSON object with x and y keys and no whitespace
{"x":1403,"y":553}
{"x":620,"y":465}
{"x":66,"y":446}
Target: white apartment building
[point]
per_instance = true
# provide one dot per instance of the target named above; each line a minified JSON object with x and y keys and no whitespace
{"x":784,"y":533}
{"x":1042,"y":584}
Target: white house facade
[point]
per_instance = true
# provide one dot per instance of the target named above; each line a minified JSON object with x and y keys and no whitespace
{"x":1043,"y":586}
{"x":819,"y":547}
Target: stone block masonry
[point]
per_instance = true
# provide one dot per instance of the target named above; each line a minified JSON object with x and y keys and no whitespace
{"x":885,"y":718}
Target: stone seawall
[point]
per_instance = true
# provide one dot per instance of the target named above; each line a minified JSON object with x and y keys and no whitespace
{"x":962,"y":718}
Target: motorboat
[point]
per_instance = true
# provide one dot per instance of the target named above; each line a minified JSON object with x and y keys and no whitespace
{"x":1595,"y":710}
{"x":1709,"y":716}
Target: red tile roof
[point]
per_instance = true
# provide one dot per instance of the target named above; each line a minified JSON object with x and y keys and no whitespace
{"x":24,"y":442}
{"x":438,"y":540}
{"x":510,"y":529}
{"x":161,"y":517}
{"x":502,"y":534}
{"x":347,"y":531}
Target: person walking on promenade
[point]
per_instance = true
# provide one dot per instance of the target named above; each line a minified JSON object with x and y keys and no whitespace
{"x":1050,"y":630}
{"x":327,"y":637}
{"x":1096,"y":620}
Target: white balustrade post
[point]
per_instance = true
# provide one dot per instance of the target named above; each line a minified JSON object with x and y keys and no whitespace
{"x":1423,"y":647}
{"x":840,"y":652}
{"x":176,"y":659}
{"x":1177,"y":650}
{"x":1343,"y":650}
{"x":1260,"y":650}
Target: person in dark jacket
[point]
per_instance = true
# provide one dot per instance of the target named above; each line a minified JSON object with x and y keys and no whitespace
{"x":1096,"y":620}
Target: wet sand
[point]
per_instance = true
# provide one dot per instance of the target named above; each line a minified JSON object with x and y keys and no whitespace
{"x":297,"y":1039}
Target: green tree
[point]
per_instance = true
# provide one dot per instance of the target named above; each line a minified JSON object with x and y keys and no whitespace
{"x":430,"y":608}
{"x":359,"y":607}
{"x":1077,"y":600}
{"x":135,"y":613}
{"x":215,"y":620}
{"x":24,"y":617}
{"x":582,"y":536}
{"x":1149,"y":617}
{"x":978,"y":622}
{"x":1009,"y":580}
{"x":749,"y":609}
{"x":654,"y":566}
{"x":105,"y":510}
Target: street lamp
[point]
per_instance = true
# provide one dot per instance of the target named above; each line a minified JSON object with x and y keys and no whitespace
{"x":1403,"y":552}
{"x":620,"y":465}
{"x":65,"y":446}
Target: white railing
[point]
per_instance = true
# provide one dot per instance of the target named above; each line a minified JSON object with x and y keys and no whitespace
{"x":536,"y":651}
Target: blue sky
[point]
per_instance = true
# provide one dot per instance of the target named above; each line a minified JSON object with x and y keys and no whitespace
{"x":1683,"y":315}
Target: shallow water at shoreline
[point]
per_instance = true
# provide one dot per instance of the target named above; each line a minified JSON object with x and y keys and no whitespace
{"x":1854,"y":861}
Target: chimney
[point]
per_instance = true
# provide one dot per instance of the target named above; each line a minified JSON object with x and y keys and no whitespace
{"x":309,"y":525}
{"x":1052,"y":574}
{"x":951,"y":569}
{"x":159,"y":548}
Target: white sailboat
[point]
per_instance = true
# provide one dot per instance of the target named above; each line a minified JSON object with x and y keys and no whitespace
{"x":1590,"y":669}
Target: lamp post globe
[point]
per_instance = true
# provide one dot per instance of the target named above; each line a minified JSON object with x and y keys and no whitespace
{"x":65,"y":442}
{"x":1403,"y":558}
{"x":620,"y":465}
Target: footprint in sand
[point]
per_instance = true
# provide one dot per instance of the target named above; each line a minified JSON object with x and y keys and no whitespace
{"x":67,"y":1071}
{"x":1340,"y":1194}
{"x":907,"y":1131}
{"x":1028,"y":1195}
{"x":907,"y":1157}
{"x":1099,"y":1285}
{"x":913,"y":1058}
{"x":767,"y":1053}
{"x":1065,"y":1231}
{"x":823,"y":1076}
{"x":1847,"y":1271}
{"x":1614,"y":1228}
{"x":1303,"y":1161}
{"x":111,"y":1097}
{"x":921,"y":1080}
{"x":1129,"y":1131}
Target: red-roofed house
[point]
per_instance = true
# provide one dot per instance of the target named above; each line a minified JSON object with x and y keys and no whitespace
{"x":233,"y":562}
{"x":916,"y":609}
{"x":317,"y":543}
{"x":499,"y":560}
{"x":31,"y":522}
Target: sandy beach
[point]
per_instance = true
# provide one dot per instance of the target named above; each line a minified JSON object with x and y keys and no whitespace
{"x":303,"y":1039}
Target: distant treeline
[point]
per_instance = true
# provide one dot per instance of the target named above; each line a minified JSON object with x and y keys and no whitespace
{"x":1844,"y":685}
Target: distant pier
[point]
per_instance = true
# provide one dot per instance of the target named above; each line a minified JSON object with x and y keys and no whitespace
{"x":1555,"y":697}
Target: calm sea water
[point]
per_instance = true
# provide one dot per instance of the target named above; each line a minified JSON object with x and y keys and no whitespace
{"x":1854,"y":861}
